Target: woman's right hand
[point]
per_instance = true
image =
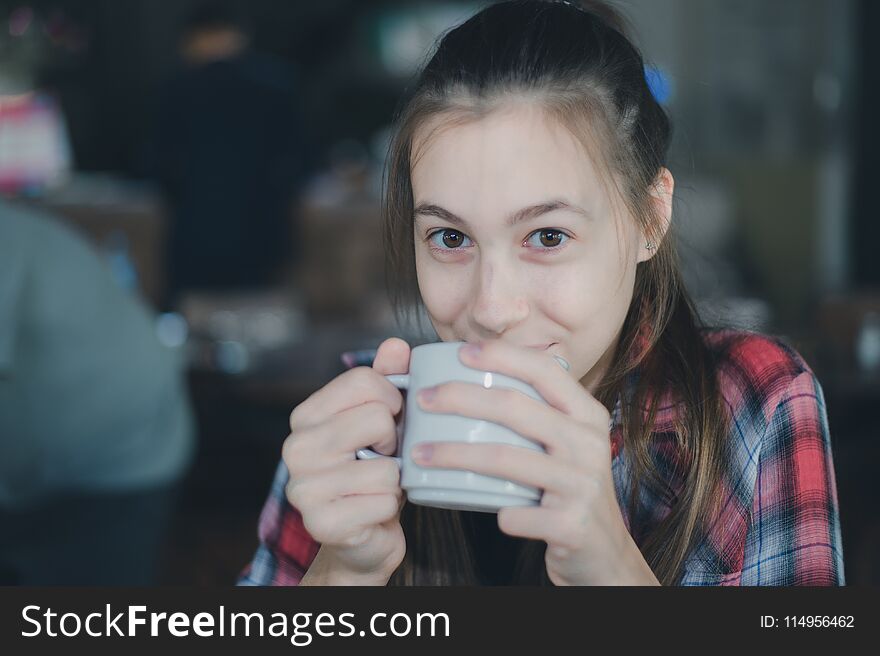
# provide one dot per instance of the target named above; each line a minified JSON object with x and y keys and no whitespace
{"x":350,"y":506}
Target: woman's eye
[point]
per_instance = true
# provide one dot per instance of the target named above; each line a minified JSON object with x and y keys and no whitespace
{"x":449,"y":239}
{"x":549,"y":238}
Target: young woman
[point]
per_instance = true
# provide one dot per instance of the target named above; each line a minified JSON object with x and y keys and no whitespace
{"x":528,"y":210}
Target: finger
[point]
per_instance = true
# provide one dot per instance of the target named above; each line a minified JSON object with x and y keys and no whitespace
{"x":521,"y":413}
{"x":515,"y":463}
{"x":358,"y":477}
{"x":356,"y":386}
{"x":349,"y":515}
{"x":370,"y":424}
{"x":534,"y":523}
{"x":540,"y":370}
{"x":392,"y":357}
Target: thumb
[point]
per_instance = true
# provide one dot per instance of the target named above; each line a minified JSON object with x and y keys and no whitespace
{"x":392,"y":357}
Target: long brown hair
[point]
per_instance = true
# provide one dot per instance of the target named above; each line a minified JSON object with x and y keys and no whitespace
{"x":580,"y":65}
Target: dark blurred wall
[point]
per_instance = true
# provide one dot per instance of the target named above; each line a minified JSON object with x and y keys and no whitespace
{"x":109,"y":93}
{"x":866,"y":229}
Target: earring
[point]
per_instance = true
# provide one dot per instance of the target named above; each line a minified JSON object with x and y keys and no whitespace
{"x":649,"y":246}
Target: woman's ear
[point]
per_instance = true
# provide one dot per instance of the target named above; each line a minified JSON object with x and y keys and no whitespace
{"x":661,"y":197}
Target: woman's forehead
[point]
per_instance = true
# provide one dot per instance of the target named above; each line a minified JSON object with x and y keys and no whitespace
{"x":518,"y":153}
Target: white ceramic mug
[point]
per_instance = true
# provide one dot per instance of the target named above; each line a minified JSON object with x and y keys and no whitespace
{"x":433,"y":364}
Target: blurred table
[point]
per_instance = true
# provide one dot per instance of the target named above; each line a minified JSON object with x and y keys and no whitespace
{"x":282,"y":375}
{"x":250,"y":404}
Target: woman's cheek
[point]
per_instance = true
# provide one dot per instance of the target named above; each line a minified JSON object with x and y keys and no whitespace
{"x":444,"y":289}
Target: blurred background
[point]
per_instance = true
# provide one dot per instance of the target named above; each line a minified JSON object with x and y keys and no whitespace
{"x":189,"y":239}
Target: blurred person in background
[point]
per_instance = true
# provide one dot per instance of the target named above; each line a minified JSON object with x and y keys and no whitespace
{"x":96,"y":429}
{"x":229,"y":152}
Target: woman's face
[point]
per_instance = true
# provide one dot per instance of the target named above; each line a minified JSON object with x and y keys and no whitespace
{"x":516,"y":239}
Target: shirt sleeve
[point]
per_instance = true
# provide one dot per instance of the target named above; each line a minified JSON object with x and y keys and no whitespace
{"x":286,"y":550}
{"x":794,"y":534}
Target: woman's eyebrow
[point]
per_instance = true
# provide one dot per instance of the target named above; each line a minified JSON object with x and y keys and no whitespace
{"x":524,"y":214}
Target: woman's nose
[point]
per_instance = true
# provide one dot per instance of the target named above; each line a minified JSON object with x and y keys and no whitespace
{"x":500,"y":300}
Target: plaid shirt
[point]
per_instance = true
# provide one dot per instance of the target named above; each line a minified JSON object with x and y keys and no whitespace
{"x":779,"y":522}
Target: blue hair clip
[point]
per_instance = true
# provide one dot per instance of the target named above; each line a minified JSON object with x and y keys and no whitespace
{"x":659,"y":84}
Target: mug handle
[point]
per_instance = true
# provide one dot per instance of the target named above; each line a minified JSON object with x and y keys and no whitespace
{"x":400,"y":381}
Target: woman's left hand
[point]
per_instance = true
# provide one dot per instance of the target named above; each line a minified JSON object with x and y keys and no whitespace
{"x":578,"y":517}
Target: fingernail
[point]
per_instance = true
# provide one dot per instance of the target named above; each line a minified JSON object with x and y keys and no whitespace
{"x":562,"y":362}
{"x":471,"y":349}
{"x":427,"y":394}
{"x":423,"y":452}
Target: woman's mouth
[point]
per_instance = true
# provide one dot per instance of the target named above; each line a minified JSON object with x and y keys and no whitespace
{"x":537,"y":347}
